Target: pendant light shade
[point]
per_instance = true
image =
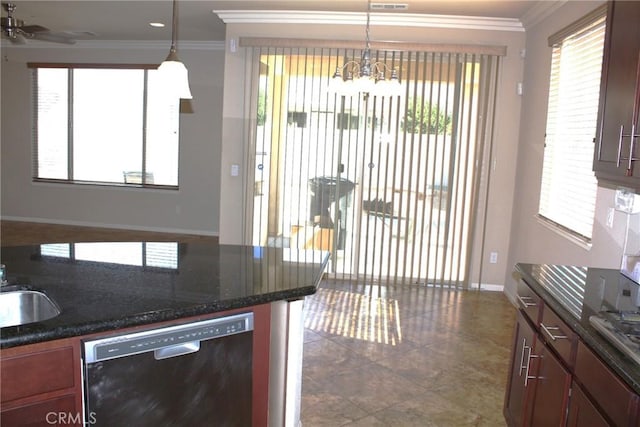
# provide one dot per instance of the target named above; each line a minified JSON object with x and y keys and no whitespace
{"x":173,"y":71}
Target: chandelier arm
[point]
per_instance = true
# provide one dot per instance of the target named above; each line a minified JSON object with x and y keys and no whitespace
{"x":356,"y":67}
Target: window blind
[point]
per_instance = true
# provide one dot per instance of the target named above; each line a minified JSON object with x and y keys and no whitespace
{"x":568,"y":188}
{"x":390,"y":184}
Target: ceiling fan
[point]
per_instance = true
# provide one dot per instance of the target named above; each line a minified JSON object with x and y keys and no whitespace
{"x":15,"y":30}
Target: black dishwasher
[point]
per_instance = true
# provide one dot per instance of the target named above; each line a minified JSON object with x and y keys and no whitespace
{"x":195,"y":374}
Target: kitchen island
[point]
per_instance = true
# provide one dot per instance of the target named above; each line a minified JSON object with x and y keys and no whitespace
{"x":563,"y":370}
{"x":102,"y":288}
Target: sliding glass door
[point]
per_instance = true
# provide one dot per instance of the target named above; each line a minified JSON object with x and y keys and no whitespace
{"x":388,"y":184}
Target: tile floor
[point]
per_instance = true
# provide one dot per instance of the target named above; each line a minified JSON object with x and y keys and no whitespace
{"x":376,"y":356}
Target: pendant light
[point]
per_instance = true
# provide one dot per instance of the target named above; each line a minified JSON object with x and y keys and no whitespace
{"x":173,"y":71}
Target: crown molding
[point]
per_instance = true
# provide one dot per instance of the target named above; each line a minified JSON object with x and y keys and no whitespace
{"x":118,"y":44}
{"x":360,"y":18}
{"x":540,"y":11}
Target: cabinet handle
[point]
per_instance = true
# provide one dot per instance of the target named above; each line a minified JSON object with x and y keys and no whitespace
{"x":620,"y":146}
{"x":524,"y":348}
{"x":524,"y":303}
{"x":632,"y":145}
{"x":547,"y":330}
{"x":528,"y":377}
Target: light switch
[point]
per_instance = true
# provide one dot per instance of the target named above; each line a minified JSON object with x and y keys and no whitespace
{"x":235,"y":170}
{"x":610,"y":215}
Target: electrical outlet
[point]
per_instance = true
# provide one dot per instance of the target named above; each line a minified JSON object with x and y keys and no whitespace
{"x":493,"y":257}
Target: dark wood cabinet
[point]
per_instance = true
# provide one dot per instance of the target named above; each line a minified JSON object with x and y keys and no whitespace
{"x":555,"y":379}
{"x":617,"y":155}
{"x":518,"y":383}
{"x":538,"y":384}
{"x":552,"y":383}
{"x":583,"y":413}
{"x":615,"y":399}
{"x":41,"y":384}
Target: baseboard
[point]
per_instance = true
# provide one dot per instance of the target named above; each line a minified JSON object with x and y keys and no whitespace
{"x":487,"y":287}
{"x":113,"y":226}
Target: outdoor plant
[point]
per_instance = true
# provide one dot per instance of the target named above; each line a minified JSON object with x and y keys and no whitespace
{"x":424,"y":117}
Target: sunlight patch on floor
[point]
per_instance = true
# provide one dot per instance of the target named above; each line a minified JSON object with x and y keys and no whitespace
{"x":354,"y":315}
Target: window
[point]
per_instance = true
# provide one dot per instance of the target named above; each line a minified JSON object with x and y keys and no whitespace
{"x":104,"y":126}
{"x":568,"y":189}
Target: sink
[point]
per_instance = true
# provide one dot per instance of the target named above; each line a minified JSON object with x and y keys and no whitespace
{"x":22,"y":307}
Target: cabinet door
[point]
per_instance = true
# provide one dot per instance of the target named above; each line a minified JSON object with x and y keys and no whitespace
{"x":619,"y":94}
{"x":518,"y":386}
{"x":615,"y":399}
{"x":582,"y":413}
{"x":552,"y":388}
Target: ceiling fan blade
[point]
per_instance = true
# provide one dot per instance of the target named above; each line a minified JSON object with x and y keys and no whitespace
{"x":52,"y":37}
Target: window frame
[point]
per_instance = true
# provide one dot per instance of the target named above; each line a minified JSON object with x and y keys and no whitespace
{"x":34,"y":66}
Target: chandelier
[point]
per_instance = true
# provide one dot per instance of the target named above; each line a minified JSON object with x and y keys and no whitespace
{"x":366,"y":77}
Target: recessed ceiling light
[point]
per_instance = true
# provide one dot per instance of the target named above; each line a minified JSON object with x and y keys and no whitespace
{"x":156,"y":24}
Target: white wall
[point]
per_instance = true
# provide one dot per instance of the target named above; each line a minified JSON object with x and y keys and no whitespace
{"x":531,"y":241}
{"x":235,"y":140}
{"x":194,"y":208}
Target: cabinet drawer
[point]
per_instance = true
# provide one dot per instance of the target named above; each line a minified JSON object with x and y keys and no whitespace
{"x":558,"y":335}
{"x":36,"y":373}
{"x":59,"y":411}
{"x":529,"y":302}
{"x":615,"y":398}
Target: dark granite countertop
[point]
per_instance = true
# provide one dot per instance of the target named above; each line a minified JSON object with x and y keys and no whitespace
{"x":109,"y":286}
{"x":576,"y":293}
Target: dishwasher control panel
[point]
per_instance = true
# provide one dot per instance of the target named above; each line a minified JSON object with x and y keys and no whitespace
{"x":115,"y":346}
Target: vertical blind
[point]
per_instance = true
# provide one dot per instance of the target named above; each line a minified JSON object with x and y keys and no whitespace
{"x":388,"y":184}
{"x":568,"y":188}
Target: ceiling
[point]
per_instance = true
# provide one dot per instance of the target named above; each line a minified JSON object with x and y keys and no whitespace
{"x":129,"y":20}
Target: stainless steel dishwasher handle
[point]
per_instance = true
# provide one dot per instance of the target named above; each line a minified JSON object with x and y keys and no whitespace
{"x":176,"y":350}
